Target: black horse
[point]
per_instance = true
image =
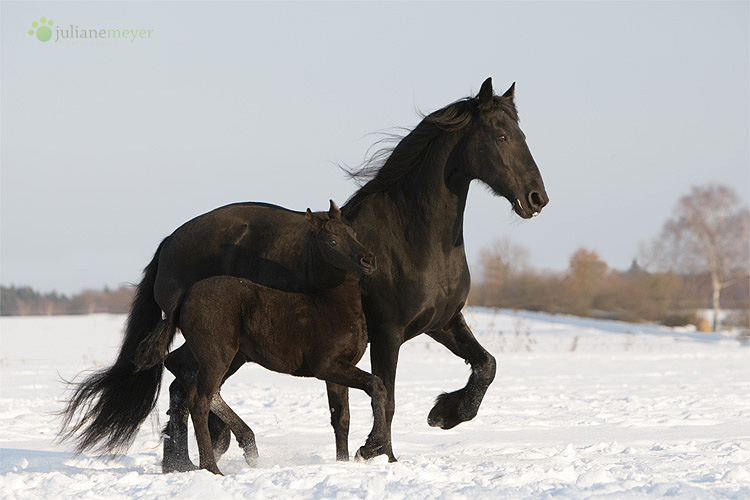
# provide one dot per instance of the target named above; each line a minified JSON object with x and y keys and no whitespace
{"x":409,"y":213}
{"x":320,"y":334}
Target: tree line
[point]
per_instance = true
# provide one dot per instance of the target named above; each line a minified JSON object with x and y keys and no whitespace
{"x":22,"y":301}
{"x":589,"y":287}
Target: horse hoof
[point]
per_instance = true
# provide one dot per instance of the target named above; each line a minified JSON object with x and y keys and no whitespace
{"x":447,"y":412}
{"x":169,"y":467}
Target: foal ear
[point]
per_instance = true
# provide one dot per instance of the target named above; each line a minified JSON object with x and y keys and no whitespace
{"x":334,"y":212}
{"x":511,"y":92}
{"x":314,"y":220}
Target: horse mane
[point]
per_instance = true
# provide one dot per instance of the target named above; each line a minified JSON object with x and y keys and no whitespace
{"x":396,"y":168}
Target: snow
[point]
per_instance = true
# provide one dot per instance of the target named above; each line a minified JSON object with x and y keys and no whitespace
{"x":580,"y":408}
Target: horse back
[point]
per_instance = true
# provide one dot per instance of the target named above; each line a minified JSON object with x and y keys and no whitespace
{"x":257,"y":241}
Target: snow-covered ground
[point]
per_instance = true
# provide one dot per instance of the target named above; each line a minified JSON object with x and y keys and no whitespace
{"x":579,"y":409}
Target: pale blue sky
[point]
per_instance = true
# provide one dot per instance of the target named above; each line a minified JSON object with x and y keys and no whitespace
{"x":105,"y":150}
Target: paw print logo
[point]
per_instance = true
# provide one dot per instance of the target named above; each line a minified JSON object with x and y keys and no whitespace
{"x":41,"y":29}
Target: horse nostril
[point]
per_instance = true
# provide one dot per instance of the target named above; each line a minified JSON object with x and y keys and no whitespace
{"x":536,"y":200}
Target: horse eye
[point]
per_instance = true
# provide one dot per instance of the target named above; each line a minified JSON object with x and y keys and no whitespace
{"x":502,"y":138}
{"x":332,"y":243}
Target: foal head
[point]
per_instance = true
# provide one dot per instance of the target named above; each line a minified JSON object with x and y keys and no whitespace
{"x":336,"y":243}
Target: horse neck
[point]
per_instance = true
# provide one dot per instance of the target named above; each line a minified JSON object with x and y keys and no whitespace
{"x":428,"y":205}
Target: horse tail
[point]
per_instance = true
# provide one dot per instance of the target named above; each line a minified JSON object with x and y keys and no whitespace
{"x":153,"y":349}
{"x":116,"y":400}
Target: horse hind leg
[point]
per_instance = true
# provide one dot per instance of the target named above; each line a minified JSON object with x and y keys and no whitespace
{"x":241,"y":430}
{"x":176,"y":457}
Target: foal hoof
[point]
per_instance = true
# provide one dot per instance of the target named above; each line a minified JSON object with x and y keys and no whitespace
{"x":366,"y":453}
{"x":214,"y":470}
{"x":251,"y":459}
{"x":220,"y":439}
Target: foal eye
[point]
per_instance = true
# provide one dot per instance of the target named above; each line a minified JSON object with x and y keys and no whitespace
{"x":502,"y":138}
{"x":332,"y":243}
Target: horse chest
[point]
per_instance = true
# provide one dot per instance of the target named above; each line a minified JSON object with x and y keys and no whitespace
{"x":418,"y":297}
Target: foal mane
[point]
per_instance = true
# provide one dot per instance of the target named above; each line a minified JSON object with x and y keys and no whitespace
{"x":397,"y":169}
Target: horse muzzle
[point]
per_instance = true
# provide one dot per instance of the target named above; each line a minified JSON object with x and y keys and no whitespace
{"x":532,"y":205}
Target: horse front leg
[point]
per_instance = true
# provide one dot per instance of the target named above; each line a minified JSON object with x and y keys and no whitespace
{"x":338,"y":403}
{"x":455,"y":407}
{"x":384,"y":349}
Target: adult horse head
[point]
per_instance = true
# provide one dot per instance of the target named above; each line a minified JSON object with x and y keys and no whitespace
{"x":496,"y":153}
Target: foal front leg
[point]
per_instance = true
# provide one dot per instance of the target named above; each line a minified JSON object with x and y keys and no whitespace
{"x":338,"y":403}
{"x":459,"y":406}
{"x":241,"y":430}
{"x":378,"y":442}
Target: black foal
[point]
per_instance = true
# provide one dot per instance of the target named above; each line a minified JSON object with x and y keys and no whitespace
{"x":319,"y":334}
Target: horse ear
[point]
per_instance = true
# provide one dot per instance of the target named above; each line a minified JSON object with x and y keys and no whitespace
{"x":511,"y":92}
{"x":334,"y":212}
{"x":485,"y":92}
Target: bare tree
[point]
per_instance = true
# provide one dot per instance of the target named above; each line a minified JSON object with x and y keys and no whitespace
{"x":708,"y":232}
{"x":501,"y":262}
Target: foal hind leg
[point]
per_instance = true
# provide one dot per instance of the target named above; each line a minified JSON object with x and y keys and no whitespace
{"x":241,"y":430}
{"x":182,"y":364}
{"x":219,"y":430}
{"x":379,"y":441}
{"x":338,"y":402}
{"x":200,"y":403}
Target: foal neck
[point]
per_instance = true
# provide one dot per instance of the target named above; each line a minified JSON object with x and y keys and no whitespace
{"x":319,"y":274}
